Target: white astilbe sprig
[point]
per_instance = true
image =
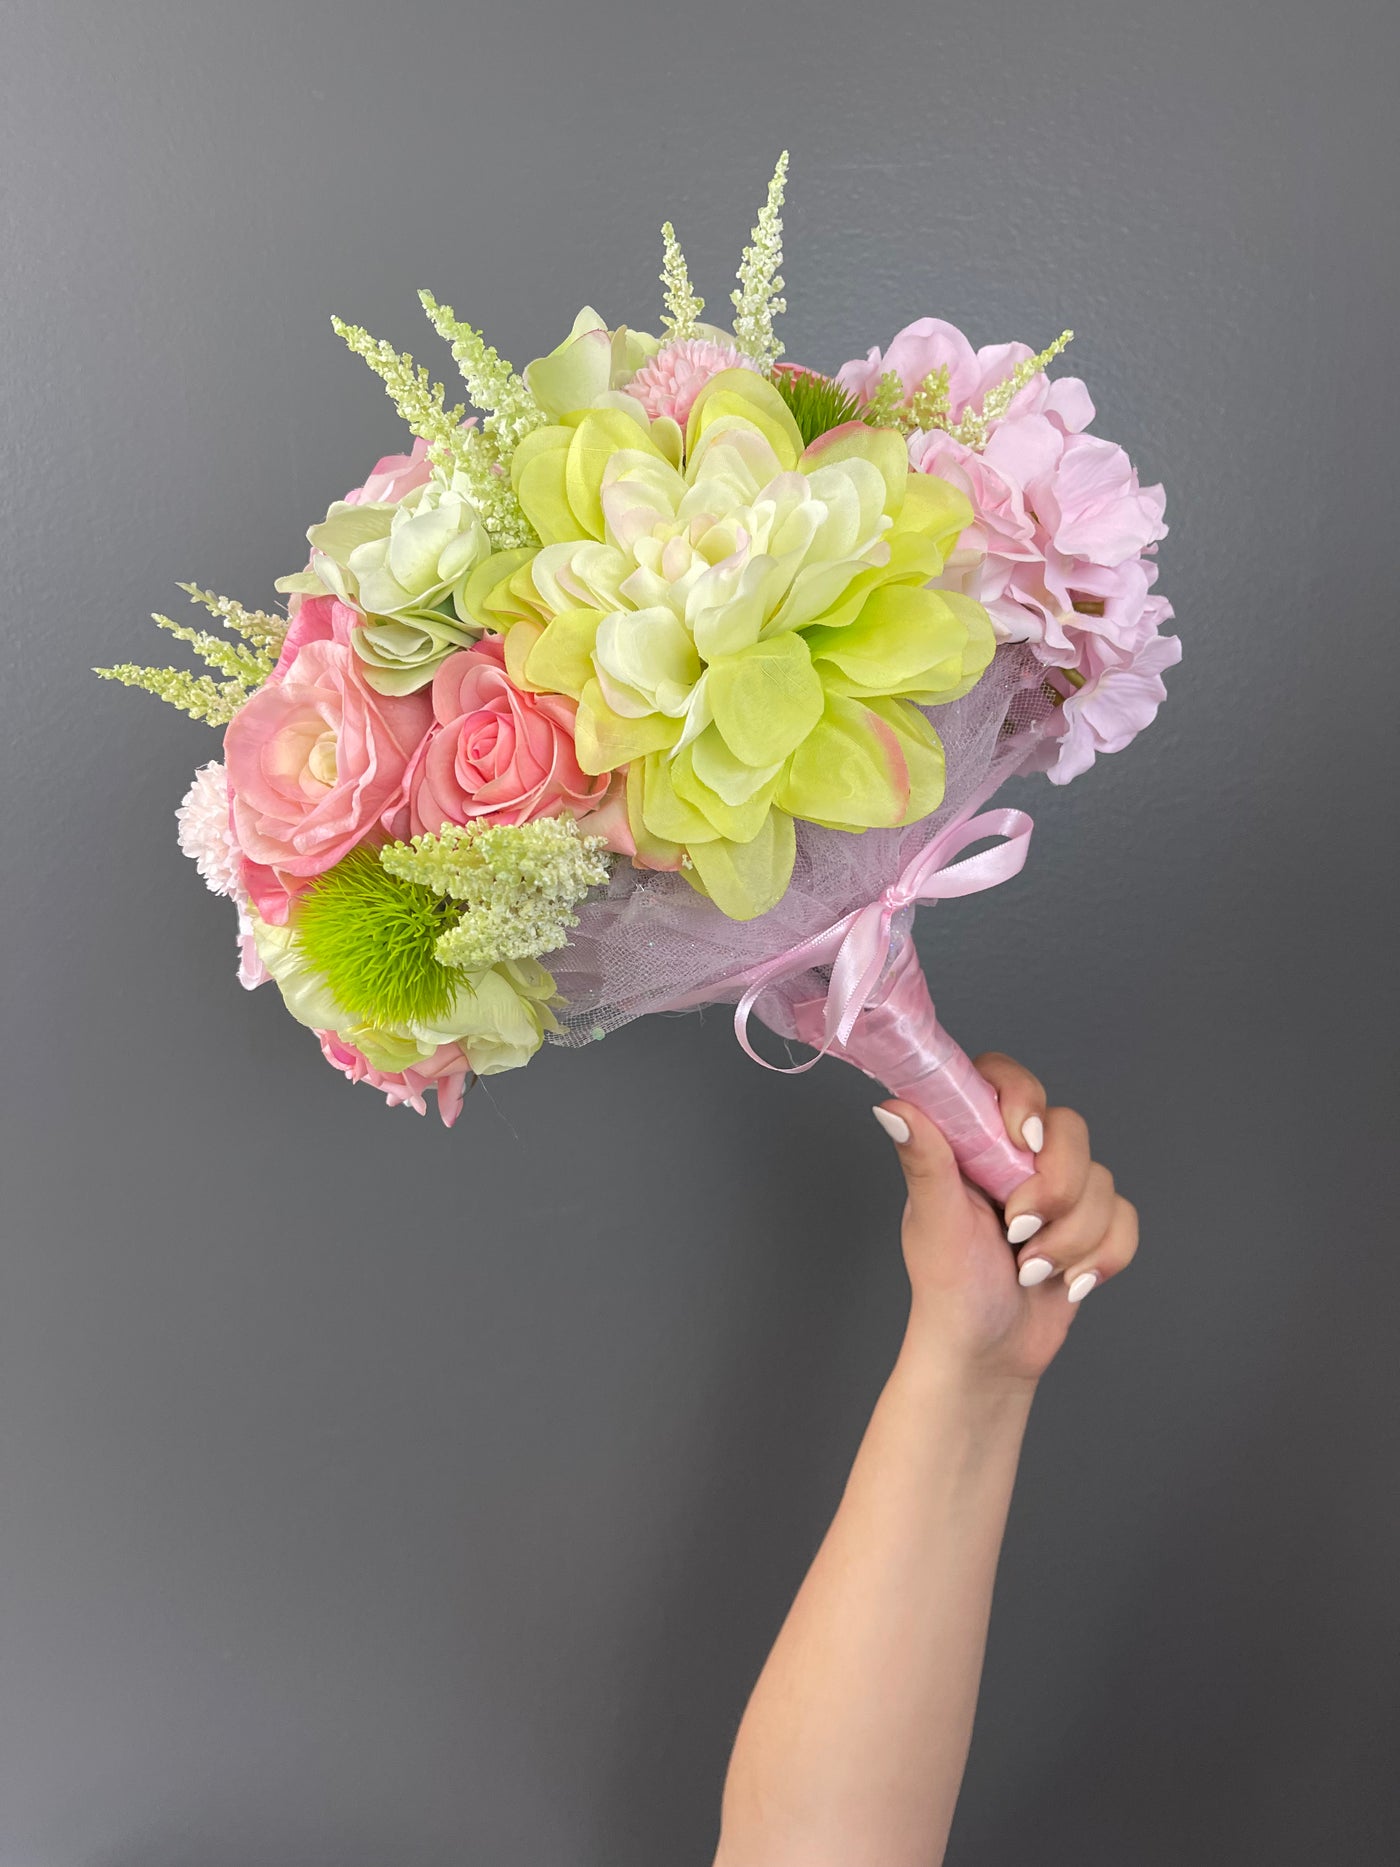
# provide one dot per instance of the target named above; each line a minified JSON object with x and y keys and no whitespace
{"x":492,"y":383}
{"x":683,"y":307}
{"x":757,"y":299}
{"x":518,"y":885}
{"x":456,"y":449}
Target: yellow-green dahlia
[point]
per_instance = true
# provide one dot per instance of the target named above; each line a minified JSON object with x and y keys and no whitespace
{"x":745,"y":624}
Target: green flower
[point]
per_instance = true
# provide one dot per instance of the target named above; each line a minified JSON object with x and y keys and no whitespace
{"x":746,"y":624}
{"x":591,"y":364}
{"x":498,"y":1017}
{"x":405,"y":568}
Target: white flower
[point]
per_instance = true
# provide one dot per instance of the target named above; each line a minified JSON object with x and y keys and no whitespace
{"x":206,"y":835}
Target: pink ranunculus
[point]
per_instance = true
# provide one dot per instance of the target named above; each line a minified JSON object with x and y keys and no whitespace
{"x":393,"y":476}
{"x":446,"y":1071}
{"x":496,"y":753}
{"x":314,"y":761}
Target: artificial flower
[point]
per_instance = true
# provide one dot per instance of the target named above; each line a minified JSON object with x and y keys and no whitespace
{"x":445,"y":1072}
{"x":669,"y":383}
{"x":403,"y":567}
{"x":592,"y":364}
{"x":314,"y":761}
{"x":497,"y":1018}
{"x":494,"y":752}
{"x":1120,"y":695}
{"x":206,"y":835}
{"x":744,"y":623}
{"x":393,"y":476}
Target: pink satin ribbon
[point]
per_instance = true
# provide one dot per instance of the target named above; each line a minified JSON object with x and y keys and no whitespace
{"x":857,"y":947}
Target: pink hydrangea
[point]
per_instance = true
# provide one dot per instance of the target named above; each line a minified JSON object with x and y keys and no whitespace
{"x":931,"y":344}
{"x":1061,"y":551}
{"x":446,"y":1071}
{"x":1121,"y":694}
{"x":669,"y":383}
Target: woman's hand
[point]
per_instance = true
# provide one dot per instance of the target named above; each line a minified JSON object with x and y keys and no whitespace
{"x":994,"y":1294}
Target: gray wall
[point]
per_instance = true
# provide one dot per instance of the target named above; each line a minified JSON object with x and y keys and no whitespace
{"x":374,"y":1495}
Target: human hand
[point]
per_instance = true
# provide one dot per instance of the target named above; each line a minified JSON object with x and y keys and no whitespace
{"x":995,"y":1294}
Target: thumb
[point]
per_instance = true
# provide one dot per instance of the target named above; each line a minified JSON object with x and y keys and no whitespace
{"x":936,"y":1190}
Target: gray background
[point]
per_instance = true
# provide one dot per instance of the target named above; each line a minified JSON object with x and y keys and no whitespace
{"x":371,"y":1495}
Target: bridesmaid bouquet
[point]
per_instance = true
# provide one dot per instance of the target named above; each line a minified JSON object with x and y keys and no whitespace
{"x":677,"y":674}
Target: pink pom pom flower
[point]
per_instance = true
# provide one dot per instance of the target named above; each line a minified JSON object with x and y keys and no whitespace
{"x":670,"y":382}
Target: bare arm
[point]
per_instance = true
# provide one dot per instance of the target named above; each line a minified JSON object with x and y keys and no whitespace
{"x":851,"y":1750}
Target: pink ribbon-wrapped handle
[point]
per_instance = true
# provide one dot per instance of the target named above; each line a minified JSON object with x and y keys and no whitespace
{"x":898,"y":1040}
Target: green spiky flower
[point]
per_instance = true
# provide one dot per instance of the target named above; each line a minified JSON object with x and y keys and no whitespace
{"x":818,"y":403}
{"x":373,"y":938}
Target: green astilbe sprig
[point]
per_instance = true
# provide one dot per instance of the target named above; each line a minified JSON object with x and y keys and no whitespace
{"x":516,"y":885}
{"x":244,"y":664}
{"x":757,"y":299}
{"x":886,"y":407}
{"x":199,"y":695}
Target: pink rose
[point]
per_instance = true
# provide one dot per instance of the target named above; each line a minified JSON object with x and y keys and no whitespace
{"x":446,"y":1071}
{"x":314,"y":619}
{"x":393,"y":476}
{"x":496,"y":752}
{"x":314,"y":760}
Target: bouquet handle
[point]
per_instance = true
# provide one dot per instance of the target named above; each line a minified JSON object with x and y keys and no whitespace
{"x":898,"y":1041}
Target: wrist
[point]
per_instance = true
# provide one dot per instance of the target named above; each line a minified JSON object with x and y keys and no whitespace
{"x":973,"y":1380}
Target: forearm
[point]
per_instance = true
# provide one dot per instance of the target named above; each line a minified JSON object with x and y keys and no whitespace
{"x":852,"y":1747}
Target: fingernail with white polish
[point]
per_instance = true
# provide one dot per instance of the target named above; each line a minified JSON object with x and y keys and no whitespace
{"x":1033,"y":1133}
{"x":1082,"y":1285}
{"x":1022,"y":1228}
{"x":894,"y":1125}
{"x":1034,"y":1271}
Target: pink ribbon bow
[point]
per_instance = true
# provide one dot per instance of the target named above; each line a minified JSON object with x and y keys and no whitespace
{"x":857,"y":947}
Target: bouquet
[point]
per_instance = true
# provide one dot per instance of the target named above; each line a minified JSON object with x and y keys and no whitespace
{"x":675,"y":674}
